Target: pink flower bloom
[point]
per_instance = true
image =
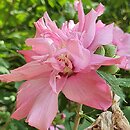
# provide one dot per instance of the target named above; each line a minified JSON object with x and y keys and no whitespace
{"x":62,"y":59}
{"x":122,"y":41}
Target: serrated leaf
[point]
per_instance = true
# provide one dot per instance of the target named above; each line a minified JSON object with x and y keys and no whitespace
{"x":123,"y":82}
{"x":112,"y":81}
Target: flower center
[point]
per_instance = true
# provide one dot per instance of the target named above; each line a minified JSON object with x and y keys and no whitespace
{"x":66,"y":64}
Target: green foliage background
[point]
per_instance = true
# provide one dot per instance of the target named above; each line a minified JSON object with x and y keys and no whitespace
{"x":16,"y":24}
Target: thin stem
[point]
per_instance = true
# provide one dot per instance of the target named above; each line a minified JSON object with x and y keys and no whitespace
{"x":77,"y":118}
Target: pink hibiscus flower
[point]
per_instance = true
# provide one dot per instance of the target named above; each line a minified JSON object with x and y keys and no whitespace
{"x":62,"y":59}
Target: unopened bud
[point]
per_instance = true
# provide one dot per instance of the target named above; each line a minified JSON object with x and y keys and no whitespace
{"x":59,"y":119}
{"x":100,"y":50}
{"x":110,"y":50}
{"x":110,"y":69}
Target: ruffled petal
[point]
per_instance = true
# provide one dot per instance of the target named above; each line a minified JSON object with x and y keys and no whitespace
{"x":98,"y":60}
{"x":57,"y":82}
{"x":99,"y":24}
{"x":78,"y":54}
{"x":123,"y":47}
{"x":89,"y":28}
{"x":81,"y":16}
{"x":40,"y":27}
{"x":53,"y":27}
{"x":27,"y":95}
{"x":88,"y":89}
{"x":26,"y":72}
{"x":100,"y":9}
{"x":40,"y":45}
{"x":28,"y":54}
{"x":103,"y":36}
{"x":49,"y":23}
{"x":44,"y":110}
{"x":118,"y":36}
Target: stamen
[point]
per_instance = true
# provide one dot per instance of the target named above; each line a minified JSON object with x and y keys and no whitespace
{"x":68,"y":67}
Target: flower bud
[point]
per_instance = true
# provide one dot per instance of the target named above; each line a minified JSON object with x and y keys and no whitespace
{"x":100,"y":50}
{"x":110,"y":50}
{"x":59,"y":119}
{"x":110,"y":69}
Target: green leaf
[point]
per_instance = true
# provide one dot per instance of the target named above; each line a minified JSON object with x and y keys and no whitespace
{"x":19,"y":125}
{"x":110,"y":79}
{"x":52,"y":3}
{"x":123,"y":82}
{"x":68,"y":123}
{"x":3,"y":70}
{"x":88,"y":118}
{"x":4,"y":63}
{"x":61,"y":2}
{"x":84,"y":125}
{"x":127,"y":112}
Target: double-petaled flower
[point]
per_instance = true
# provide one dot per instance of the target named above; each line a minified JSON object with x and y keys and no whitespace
{"x":62,"y":59}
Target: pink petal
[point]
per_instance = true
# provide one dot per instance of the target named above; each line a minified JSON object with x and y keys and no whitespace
{"x":57,"y":82}
{"x":99,"y":24}
{"x":98,"y":60}
{"x":53,"y":128}
{"x":53,"y":27}
{"x":126,"y":39}
{"x":125,"y":64}
{"x":53,"y":80}
{"x":60,"y":83}
{"x":81,"y":16}
{"x":49,"y":23}
{"x":88,"y":89}
{"x":28,"y":54}
{"x":39,"y":45}
{"x":43,"y":29}
{"x":40,"y":27}
{"x":71,"y":24}
{"x":89,"y":28}
{"x":118,"y":35}
{"x":27,"y":95}
{"x":122,"y":41}
{"x":103,"y":36}
{"x":128,"y":64}
{"x":40,"y":58}
{"x":124,"y":45}
{"x":78,"y":54}
{"x":44,"y":110}
{"x":100,"y":9}
{"x":54,"y":63}
{"x":26,"y":72}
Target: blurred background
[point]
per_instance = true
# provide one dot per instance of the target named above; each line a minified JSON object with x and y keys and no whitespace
{"x":16,"y":25}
